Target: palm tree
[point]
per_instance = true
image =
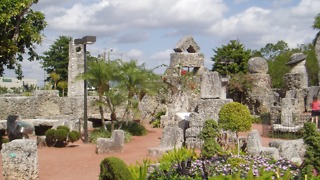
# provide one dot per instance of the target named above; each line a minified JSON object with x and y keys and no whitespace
{"x":138,"y":81}
{"x":114,"y":98}
{"x":98,"y":75}
{"x":55,"y":78}
{"x":63,"y":85}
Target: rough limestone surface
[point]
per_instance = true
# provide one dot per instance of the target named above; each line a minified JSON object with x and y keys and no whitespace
{"x":295,"y":81}
{"x":293,"y":150}
{"x":298,"y":77}
{"x":75,"y":67}
{"x":172,"y":137}
{"x":45,"y":104}
{"x":20,"y":160}
{"x":255,"y":148}
{"x":211,"y":86}
{"x":188,"y":44}
{"x":113,"y":144}
{"x":209,"y":108}
{"x":257,"y":65}
{"x":188,"y":60}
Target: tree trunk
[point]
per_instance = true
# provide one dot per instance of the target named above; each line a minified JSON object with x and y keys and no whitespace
{"x":113,"y":117}
{"x":101,"y":113}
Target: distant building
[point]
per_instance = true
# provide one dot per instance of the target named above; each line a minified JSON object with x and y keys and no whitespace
{"x":16,"y":83}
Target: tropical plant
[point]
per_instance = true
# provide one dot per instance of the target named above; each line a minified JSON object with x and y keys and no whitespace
{"x":140,"y":171}
{"x":239,"y":86}
{"x":137,"y":81}
{"x":21,"y":28}
{"x":55,"y":78}
{"x":99,"y":74}
{"x":63,"y":85}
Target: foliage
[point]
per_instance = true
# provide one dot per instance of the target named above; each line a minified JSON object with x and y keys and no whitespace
{"x":74,"y":136}
{"x":311,"y":138}
{"x":173,"y":163}
{"x":98,"y":133}
{"x":311,"y":64}
{"x":114,"y":168}
{"x":156,"y":123}
{"x":3,"y":90}
{"x":278,"y":68}
{"x":132,"y":127}
{"x":239,"y":85}
{"x":138,"y":82}
{"x":231,"y":58}
{"x":140,"y":171}
{"x":209,"y":135}
{"x":316,"y":23}
{"x":270,"y":51}
{"x":21,"y":29}
{"x":63,"y":85}
{"x":61,"y":136}
{"x":174,"y":156}
{"x":235,"y":117}
{"x":57,"y":59}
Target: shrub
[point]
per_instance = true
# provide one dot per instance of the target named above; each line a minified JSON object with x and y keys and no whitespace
{"x":133,"y":128}
{"x":209,"y":135}
{"x":98,"y":133}
{"x":235,"y":117}
{"x":61,"y":136}
{"x":73,"y":136}
{"x":311,"y":138}
{"x":66,"y":128}
{"x":114,"y":168}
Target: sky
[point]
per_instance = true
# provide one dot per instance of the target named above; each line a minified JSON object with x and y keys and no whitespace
{"x":148,"y":30}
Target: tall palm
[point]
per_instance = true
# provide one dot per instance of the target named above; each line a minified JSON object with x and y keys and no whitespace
{"x":55,"y":78}
{"x":114,"y":98}
{"x":63,"y":85}
{"x":98,"y":75}
{"x":138,"y":81}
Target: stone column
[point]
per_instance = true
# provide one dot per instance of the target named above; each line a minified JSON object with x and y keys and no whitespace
{"x":75,"y":67}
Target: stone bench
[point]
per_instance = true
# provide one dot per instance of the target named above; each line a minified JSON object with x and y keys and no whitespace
{"x":255,"y":148}
{"x":113,"y":144}
{"x":172,"y":137}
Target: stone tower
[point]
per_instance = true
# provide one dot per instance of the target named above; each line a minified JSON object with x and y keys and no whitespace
{"x":76,"y":60}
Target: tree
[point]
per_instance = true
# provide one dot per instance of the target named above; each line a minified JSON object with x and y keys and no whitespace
{"x":137,"y":81}
{"x":231,"y":58}
{"x":316,"y":23}
{"x":99,"y":74}
{"x":272,"y":50}
{"x":311,"y":64}
{"x":57,"y":58}
{"x":20,"y":28}
{"x":235,"y":117}
{"x":63,"y":85}
{"x":55,"y":78}
{"x":239,"y":85}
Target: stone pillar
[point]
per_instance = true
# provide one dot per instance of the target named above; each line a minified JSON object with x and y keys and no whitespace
{"x":75,"y":67}
{"x":20,"y":160}
{"x":211,"y":86}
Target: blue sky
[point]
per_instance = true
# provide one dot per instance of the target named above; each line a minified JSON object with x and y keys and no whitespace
{"x":148,"y":30}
